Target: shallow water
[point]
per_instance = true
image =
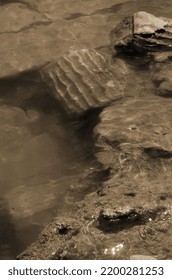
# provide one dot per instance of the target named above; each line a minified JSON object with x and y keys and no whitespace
{"x":41,"y":155}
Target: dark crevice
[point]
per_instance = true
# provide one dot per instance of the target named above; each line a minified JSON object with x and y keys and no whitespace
{"x":158,"y":153}
{"x":160,"y":31}
{"x":75,"y":16}
{"x":114,"y":144}
{"x":165,"y":93}
{"x":147,"y":35}
{"x":114,"y":221}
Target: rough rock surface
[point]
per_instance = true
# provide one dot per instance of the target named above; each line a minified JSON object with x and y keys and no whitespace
{"x":143,"y":32}
{"x":135,"y":138}
{"x":52,"y":29}
{"x":16,"y":17}
{"x":59,"y":27}
{"x":85,"y":79}
{"x":87,"y":235}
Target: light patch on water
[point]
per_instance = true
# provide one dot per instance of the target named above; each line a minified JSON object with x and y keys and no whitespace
{"x":114,"y":250}
{"x":110,"y":84}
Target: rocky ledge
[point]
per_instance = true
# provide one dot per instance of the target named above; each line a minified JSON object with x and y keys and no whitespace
{"x":129,"y":213}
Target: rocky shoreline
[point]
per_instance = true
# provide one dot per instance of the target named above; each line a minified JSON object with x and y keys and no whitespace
{"x":126,"y":210}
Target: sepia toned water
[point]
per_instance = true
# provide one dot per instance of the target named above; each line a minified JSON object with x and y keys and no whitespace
{"x":41,"y":152}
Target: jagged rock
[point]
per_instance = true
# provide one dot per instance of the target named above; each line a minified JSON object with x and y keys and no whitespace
{"x":85,"y":79}
{"x":114,"y":217}
{"x":134,"y":137}
{"x":17,"y":16}
{"x":143,"y":32}
{"x":145,"y":23}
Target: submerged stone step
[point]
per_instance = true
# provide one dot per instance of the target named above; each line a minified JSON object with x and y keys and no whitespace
{"x":17,"y":16}
{"x":135,"y":137}
{"x":85,"y":79}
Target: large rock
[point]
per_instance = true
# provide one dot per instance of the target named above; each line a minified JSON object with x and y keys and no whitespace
{"x":143,"y":32}
{"x":134,"y":137}
{"x":134,"y":204}
{"x":85,"y":79}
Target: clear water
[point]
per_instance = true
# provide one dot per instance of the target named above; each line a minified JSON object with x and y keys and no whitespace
{"x":41,"y":154}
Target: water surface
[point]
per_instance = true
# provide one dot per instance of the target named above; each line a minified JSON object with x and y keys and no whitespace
{"x":41,"y":155}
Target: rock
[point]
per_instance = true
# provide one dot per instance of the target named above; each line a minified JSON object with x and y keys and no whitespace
{"x":145,"y":23}
{"x":90,"y":239}
{"x":161,"y":57}
{"x":51,"y":236}
{"x":143,"y":32}
{"x":85,"y":79}
{"x":122,"y":35}
{"x":141,"y":257}
{"x":64,"y":229}
{"x":114,"y":217}
{"x":134,"y":136}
